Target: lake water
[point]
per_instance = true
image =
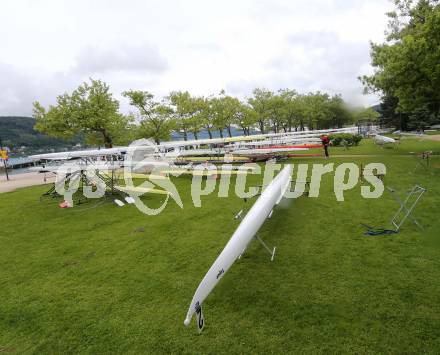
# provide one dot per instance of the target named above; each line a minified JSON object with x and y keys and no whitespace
{"x":13,"y":161}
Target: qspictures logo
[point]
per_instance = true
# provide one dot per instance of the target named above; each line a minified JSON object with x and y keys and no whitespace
{"x":146,"y":171}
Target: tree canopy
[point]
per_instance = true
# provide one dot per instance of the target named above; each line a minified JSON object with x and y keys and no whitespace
{"x":155,"y":118}
{"x":90,"y":110}
{"x":406,"y":65}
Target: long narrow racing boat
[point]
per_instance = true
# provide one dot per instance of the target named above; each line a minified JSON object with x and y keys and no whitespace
{"x":239,"y":241}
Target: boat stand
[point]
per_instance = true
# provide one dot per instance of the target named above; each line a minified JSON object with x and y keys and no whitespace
{"x":240,"y":214}
{"x":270,"y":251}
{"x":50,"y":192}
{"x":405,"y":210}
{"x":423,"y":160}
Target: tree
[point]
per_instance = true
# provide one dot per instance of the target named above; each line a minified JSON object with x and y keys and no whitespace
{"x":207,"y":115}
{"x":421,"y":118}
{"x":277,"y":112}
{"x":185,"y":110}
{"x":231,"y":106}
{"x":406,"y":65}
{"x":128,"y":133}
{"x":317,"y":110}
{"x":156,"y":119}
{"x":366,"y":114}
{"x":300,"y":103}
{"x":292,"y":110}
{"x":390,"y":116}
{"x":246,"y":118}
{"x":218,"y":114}
{"x":340,"y":114}
{"x":196,"y":114}
{"x":161,"y":124}
{"x":90,"y":110}
{"x":260,"y":102}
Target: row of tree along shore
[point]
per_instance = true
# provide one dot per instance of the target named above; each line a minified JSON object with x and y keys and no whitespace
{"x":92,"y":110}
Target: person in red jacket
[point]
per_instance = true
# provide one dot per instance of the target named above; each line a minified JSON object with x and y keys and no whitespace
{"x":325,"y":143}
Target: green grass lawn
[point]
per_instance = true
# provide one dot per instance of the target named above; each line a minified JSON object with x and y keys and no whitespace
{"x":411,"y":146}
{"x":101,"y":279}
{"x":408,"y":146}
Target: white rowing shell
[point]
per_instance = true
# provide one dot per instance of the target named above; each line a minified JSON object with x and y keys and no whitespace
{"x":262,"y":151}
{"x":384,"y":139}
{"x":242,"y":236}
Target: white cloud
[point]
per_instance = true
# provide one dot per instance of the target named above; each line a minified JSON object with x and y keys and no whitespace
{"x":15,"y":90}
{"x":51,"y":47}
{"x":120,"y":58}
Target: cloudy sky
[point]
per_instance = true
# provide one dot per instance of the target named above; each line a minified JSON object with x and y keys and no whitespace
{"x":50,"y":47}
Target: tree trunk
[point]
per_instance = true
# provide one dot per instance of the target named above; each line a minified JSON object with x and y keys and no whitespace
{"x":261,"y":124}
{"x":107,"y":139}
{"x":221,"y":132}
{"x":209,"y":132}
{"x":185,"y":135}
{"x":229,"y":131}
{"x":195,"y":135}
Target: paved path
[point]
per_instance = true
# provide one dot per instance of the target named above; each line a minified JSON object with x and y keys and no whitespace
{"x":17,"y":181}
{"x":435,"y":137}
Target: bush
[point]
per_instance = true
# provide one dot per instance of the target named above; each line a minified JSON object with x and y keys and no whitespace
{"x":356,"y":139}
{"x":350,"y":139}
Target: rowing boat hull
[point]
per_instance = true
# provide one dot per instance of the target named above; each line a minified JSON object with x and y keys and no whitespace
{"x":243,"y":235}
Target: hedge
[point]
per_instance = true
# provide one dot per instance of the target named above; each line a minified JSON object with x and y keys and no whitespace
{"x":350,"y":139}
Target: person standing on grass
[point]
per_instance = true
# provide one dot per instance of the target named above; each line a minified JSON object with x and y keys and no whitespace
{"x":325,"y":143}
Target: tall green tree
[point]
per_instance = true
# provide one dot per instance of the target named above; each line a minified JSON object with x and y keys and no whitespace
{"x":187,"y":111}
{"x":390,"y":116}
{"x":276,"y":114}
{"x":219,"y":114}
{"x":316,"y":110}
{"x":246,"y":118}
{"x":231,"y":108}
{"x":260,"y":102}
{"x":90,"y":110}
{"x":156,"y":119}
{"x":207,"y":115}
{"x":421,"y":118}
{"x":407,"y":63}
{"x":340,"y":114}
{"x":291,"y":111}
{"x":223,"y":111}
{"x":197,"y":112}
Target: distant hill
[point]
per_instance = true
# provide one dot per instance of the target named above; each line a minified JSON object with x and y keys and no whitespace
{"x":19,"y":135}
